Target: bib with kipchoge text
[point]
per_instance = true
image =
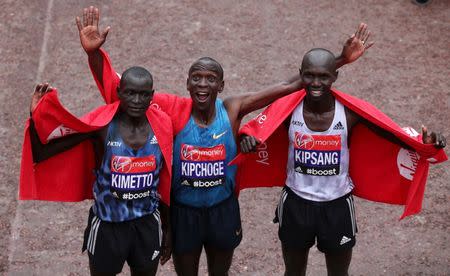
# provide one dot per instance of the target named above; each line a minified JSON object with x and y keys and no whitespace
{"x":202,"y":167}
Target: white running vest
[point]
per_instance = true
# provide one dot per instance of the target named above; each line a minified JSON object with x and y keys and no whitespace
{"x":317,"y":167}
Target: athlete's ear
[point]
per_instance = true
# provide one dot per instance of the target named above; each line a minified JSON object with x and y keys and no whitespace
{"x":336,"y":75}
{"x":222,"y":85}
{"x":300,"y":71}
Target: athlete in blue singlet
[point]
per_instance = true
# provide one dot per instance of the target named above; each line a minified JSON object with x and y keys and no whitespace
{"x":124,"y":223}
{"x":205,"y":212}
{"x":201,"y":175}
{"x":127,"y":180}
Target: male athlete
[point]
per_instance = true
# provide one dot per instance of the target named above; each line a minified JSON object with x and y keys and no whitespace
{"x":125,"y":220}
{"x":205,"y":211}
{"x":317,"y":202}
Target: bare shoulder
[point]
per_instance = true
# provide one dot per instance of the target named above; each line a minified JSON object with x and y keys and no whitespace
{"x":232,"y":100}
{"x":352,"y":118}
{"x":232,"y":104}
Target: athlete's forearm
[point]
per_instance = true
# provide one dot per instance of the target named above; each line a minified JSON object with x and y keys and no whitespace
{"x":340,"y":61}
{"x":253,"y":101}
{"x":96,"y":63}
{"x":165,"y":216}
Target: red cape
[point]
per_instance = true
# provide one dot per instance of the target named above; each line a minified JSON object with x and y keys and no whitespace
{"x":69,"y":176}
{"x":381,"y":170}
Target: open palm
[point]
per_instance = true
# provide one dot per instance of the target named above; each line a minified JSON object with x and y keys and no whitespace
{"x":357,"y":44}
{"x":90,"y":36}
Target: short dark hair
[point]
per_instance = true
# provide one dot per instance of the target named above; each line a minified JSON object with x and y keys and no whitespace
{"x":319,"y":54}
{"x":136,"y":72}
{"x":207,"y":63}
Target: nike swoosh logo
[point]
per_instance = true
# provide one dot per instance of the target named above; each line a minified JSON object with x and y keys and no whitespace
{"x":215,"y":137}
{"x":238,"y":232}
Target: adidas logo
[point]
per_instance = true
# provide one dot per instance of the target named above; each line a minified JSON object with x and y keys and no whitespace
{"x":185,"y":182}
{"x":338,"y":126}
{"x":154,"y":140}
{"x":345,"y":240}
{"x":155,"y":254}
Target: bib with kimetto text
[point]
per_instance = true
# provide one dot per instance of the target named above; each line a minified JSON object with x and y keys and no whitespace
{"x":132,"y":177}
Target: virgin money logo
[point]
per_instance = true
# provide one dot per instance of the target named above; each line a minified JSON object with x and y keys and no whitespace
{"x":195,"y":153}
{"x":407,"y":163}
{"x":155,"y":106}
{"x":304,"y":141}
{"x":189,"y":152}
{"x":121,"y":164}
{"x":60,"y":131}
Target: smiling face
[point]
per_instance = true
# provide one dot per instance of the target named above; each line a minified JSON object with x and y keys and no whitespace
{"x":135,"y":91}
{"x":318,"y":73}
{"x":205,"y":81}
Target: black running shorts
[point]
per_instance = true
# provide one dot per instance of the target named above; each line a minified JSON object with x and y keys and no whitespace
{"x":110,"y":244}
{"x":303,"y":221}
{"x":218,"y":226}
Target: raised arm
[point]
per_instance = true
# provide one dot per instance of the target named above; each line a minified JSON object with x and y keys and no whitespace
{"x":243,"y":104}
{"x":240,"y":105}
{"x":355,"y":46}
{"x":92,"y":39}
{"x":41,"y":151}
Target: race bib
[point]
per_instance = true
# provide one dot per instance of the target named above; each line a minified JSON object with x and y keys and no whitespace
{"x":202,"y":167}
{"x":132,"y":177}
{"x":317,"y":154}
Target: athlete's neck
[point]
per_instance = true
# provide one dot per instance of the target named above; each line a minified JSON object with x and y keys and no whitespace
{"x":204,"y":117}
{"x":132,"y":121}
{"x":322,"y":105}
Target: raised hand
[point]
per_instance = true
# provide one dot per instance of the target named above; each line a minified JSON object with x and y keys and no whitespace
{"x":357,"y":44}
{"x":90,"y":37}
{"x":40,"y":90}
{"x":437,"y":139}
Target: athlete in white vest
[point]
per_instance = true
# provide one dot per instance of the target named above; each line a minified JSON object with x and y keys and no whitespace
{"x":316,"y":203}
{"x":313,"y":154}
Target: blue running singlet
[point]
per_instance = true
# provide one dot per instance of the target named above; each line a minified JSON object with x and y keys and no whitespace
{"x":201,"y":176}
{"x":127,"y":181}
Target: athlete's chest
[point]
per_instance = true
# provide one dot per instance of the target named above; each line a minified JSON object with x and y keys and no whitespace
{"x":134,"y":137}
{"x":318,"y":121}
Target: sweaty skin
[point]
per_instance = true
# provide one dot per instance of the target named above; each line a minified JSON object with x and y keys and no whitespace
{"x":204,"y":83}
